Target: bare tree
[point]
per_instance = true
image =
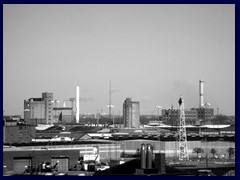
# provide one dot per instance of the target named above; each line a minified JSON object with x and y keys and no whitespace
{"x":213,"y":151}
{"x":198,"y":150}
{"x":231,"y":152}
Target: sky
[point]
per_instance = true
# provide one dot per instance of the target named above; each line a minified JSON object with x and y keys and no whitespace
{"x":150,"y":53}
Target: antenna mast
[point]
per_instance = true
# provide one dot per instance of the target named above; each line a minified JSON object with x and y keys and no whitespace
{"x":183,"y":150}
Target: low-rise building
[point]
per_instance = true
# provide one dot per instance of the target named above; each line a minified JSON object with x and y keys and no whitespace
{"x":171,"y":116}
{"x":18,"y":133}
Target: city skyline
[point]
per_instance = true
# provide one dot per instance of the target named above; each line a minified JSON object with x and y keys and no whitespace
{"x":151,"y":53}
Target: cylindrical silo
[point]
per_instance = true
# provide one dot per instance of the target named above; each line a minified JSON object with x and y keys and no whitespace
{"x":149,"y":156}
{"x":143,"y":156}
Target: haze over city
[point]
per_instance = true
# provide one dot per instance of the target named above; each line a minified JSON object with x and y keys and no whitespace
{"x":151,"y":53}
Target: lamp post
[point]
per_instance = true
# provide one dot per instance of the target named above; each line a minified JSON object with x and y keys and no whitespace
{"x":158,"y":107}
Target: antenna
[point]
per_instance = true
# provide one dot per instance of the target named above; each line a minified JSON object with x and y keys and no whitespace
{"x":183,"y":149}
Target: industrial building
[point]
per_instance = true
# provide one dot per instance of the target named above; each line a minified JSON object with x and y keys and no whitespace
{"x":39,"y":110}
{"x":204,"y":114}
{"x":63,"y":115}
{"x":61,"y":139}
{"x":18,"y":133}
{"x":15,"y":158}
{"x":171,"y":116}
{"x":131,"y":113}
{"x":44,"y":110}
{"x":194,"y":116}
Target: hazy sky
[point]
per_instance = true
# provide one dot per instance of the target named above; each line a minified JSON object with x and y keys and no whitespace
{"x":151,"y":53}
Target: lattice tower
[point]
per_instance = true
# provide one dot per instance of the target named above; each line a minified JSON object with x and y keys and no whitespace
{"x":183,"y":150}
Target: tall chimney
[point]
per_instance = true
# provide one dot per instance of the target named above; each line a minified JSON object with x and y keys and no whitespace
{"x":201,"y":93}
{"x":77,"y":104}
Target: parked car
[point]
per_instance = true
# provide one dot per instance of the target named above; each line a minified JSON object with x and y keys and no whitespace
{"x":204,"y":172}
{"x":101,"y":166}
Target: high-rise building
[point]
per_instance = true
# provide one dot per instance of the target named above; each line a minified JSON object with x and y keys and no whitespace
{"x":131,"y":113}
{"x":48,"y":98}
{"x":39,"y":110}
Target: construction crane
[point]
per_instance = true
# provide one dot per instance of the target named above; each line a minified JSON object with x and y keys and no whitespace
{"x":183,"y":150}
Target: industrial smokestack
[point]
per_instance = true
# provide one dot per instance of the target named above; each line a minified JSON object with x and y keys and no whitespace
{"x":201,"y":103}
{"x":77,"y":104}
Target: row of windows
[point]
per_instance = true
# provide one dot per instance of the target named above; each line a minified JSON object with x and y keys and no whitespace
{"x":23,"y":127}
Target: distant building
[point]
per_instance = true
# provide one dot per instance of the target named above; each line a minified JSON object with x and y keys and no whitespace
{"x":48,"y":98}
{"x":63,"y":115}
{"x":39,"y":110}
{"x":204,"y":114}
{"x":192,"y":116}
{"x":18,"y":133}
{"x":131,"y":113}
{"x":171,"y":116}
{"x":12,"y":117}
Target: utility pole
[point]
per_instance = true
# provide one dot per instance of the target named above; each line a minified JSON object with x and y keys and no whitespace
{"x":183,"y":150}
{"x":110,"y":103}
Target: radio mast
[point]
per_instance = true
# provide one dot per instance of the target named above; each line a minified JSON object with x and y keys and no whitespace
{"x":183,"y":150}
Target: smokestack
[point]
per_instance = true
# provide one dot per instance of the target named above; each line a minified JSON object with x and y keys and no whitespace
{"x":201,"y":103}
{"x":77,"y":104}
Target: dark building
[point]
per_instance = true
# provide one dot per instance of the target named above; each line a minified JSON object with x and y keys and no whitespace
{"x":18,"y":133}
{"x":192,"y":117}
{"x":171,"y":116}
{"x":204,"y":114}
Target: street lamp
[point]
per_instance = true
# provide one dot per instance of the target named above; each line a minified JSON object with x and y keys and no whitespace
{"x":158,"y":107}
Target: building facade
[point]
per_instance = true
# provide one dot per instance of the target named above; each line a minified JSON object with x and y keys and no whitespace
{"x":18,"y":133}
{"x":63,"y":115}
{"x":171,"y":116}
{"x":39,"y":110}
{"x":192,"y":116}
{"x":204,"y":114}
{"x":48,"y":99}
{"x":131,"y":113}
